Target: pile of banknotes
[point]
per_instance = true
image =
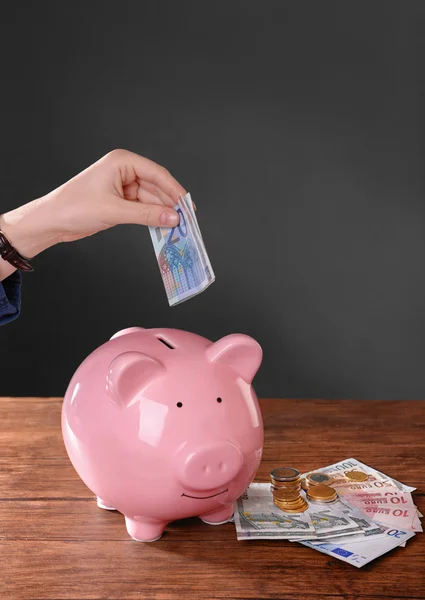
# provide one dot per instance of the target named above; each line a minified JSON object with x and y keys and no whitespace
{"x":369,"y":518}
{"x":182,"y":258}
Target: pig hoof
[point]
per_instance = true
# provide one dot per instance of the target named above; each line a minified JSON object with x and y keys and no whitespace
{"x":147,"y":541}
{"x":219,"y":517}
{"x":101,"y":504}
{"x":141,"y":531}
{"x":215,"y":522}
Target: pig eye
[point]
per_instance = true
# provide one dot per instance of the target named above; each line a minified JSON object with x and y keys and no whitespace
{"x":179,"y":404}
{"x":219,"y":400}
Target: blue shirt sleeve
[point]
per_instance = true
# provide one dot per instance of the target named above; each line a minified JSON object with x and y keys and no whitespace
{"x":10,"y":298}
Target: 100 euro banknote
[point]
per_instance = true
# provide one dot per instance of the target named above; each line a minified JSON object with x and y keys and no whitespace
{"x":376,"y":478}
{"x":182,"y":257}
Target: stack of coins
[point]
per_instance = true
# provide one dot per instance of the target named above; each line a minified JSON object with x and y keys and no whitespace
{"x":286,"y":486}
{"x":316,"y":478}
{"x":322,"y":494}
{"x":356,"y":475}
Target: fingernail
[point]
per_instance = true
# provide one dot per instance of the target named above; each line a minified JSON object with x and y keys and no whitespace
{"x":169,"y":218}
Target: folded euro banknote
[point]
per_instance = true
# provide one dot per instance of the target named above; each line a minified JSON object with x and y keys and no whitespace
{"x":181,"y":254}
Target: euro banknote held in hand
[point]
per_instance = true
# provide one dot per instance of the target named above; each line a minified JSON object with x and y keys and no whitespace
{"x":182,"y":258}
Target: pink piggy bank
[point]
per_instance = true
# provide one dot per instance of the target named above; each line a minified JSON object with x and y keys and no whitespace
{"x":162,"y":425}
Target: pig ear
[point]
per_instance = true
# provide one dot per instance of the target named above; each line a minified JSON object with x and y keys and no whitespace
{"x":129,"y":374}
{"x":240,"y":352}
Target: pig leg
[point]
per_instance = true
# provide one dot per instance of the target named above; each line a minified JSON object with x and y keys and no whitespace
{"x":144,"y":529}
{"x":218,"y":517}
{"x":104,"y":505}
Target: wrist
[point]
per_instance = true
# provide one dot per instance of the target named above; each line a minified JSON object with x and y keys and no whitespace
{"x":26,"y":229}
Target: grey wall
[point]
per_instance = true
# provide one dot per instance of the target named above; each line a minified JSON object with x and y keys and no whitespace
{"x":298,"y":127}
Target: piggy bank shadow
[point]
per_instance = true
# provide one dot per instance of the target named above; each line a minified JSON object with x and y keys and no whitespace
{"x":199,"y":543}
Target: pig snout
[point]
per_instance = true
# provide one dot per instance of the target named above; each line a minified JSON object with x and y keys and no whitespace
{"x":208,"y":467}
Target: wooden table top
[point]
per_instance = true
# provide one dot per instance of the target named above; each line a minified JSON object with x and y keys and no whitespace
{"x":56,"y":544}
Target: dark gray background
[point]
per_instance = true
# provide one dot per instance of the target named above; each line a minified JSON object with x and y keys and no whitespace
{"x":298,"y":127}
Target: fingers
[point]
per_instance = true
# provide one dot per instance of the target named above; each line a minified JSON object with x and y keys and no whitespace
{"x":148,"y":171}
{"x":157,"y":192}
{"x":153,"y":215}
{"x":148,"y":198}
{"x":159,"y":176}
{"x":134,"y":193}
{"x":130,"y":191}
{"x":138,"y":192}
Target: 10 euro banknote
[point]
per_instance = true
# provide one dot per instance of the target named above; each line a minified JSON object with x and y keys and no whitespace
{"x":181,"y":254}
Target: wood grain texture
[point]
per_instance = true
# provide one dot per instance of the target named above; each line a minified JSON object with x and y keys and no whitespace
{"x":56,"y":544}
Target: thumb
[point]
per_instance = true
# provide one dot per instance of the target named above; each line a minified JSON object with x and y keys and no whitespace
{"x":153,"y":215}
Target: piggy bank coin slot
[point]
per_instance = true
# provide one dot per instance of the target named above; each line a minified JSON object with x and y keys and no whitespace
{"x":168,"y":344}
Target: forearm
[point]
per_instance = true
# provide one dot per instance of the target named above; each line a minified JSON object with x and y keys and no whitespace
{"x":26,"y":229}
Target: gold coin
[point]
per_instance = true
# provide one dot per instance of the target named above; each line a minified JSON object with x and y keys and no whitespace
{"x":285,"y":490}
{"x":356,"y":475}
{"x":295,"y":508}
{"x":321,"y":492}
{"x":295,"y":485}
{"x":289,"y":488}
{"x":292,"y":507}
{"x":280,"y":483}
{"x":319,"y":478}
{"x":294,"y":500}
{"x":288,"y":504}
{"x":279,"y":486}
{"x":301,"y":507}
{"x":316,"y":501}
{"x":284,"y":495}
{"x":304,"y":484}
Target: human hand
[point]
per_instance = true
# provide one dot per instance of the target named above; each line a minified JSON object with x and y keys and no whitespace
{"x":122,"y":187}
